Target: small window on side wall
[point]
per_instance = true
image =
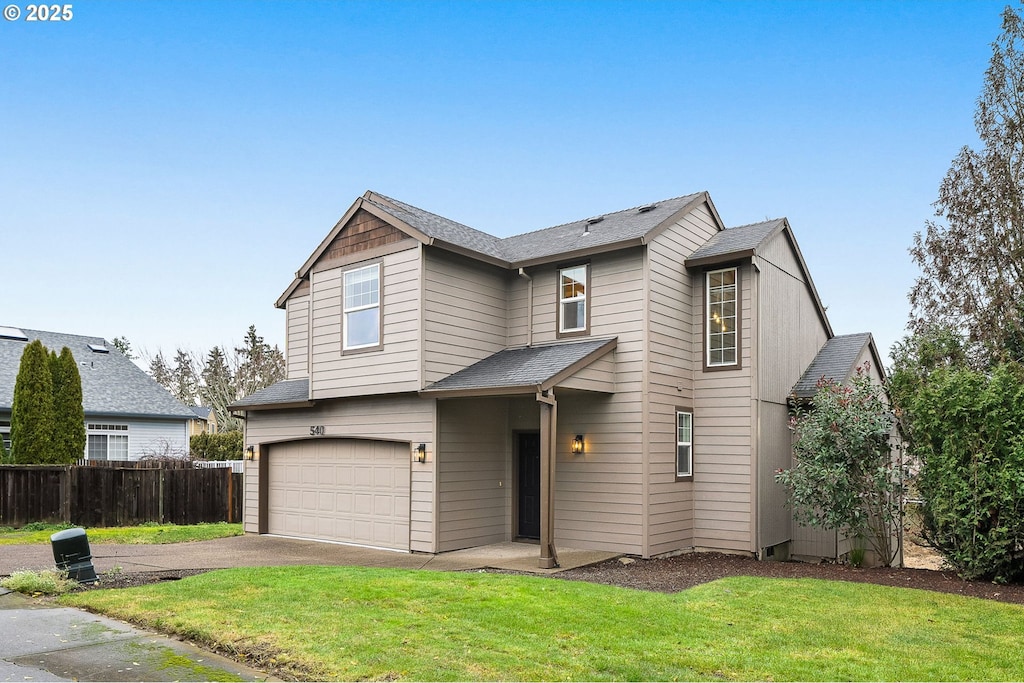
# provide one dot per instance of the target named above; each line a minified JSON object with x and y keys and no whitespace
{"x":722,"y":318}
{"x":684,"y":444}
{"x":572,"y":299}
{"x":361,"y":325}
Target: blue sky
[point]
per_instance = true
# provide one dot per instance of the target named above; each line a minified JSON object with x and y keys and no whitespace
{"x":166,"y":167}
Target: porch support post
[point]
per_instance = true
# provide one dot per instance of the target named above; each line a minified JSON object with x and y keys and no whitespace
{"x":548,"y":451}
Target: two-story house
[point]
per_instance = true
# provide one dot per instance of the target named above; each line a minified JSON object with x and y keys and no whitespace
{"x":617,"y":383}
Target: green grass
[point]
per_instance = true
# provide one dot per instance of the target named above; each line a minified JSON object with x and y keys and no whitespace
{"x":352,"y":623}
{"x":146,"y":533}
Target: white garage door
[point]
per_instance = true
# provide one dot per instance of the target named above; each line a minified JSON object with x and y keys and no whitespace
{"x":344,"y":490}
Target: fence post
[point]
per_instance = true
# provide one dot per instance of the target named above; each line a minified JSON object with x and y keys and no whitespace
{"x":161,"y":495}
{"x":67,"y":486}
{"x":231,"y":498}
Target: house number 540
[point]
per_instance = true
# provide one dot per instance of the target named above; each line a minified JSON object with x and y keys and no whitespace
{"x":317,"y":431}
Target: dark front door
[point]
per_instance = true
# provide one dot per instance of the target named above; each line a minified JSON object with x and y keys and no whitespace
{"x":529,"y":484}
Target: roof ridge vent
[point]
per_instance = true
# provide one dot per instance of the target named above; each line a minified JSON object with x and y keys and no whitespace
{"x":646,"y":208}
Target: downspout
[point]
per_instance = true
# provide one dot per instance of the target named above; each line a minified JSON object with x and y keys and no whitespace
{"x":529,"y":306}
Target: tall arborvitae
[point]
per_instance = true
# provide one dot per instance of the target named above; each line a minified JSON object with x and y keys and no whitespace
{"x":32,"y":409}
{"x":69,"y":415}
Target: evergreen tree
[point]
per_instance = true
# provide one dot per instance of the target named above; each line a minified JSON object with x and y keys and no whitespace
{"x":161,"y":372}
{"x":183,"y":378}
{"x":260,"y":364}
{"x":124,"y":346}
{"x":218,"y":389}
{"x":69,"y":415}
{"x":32,"y":409}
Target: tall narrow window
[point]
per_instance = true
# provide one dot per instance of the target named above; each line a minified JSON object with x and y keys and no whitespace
{"x":721,"y":297}
{"x":572,"y":299}
{"x":362,"y":308}
{"x":684,"y":443}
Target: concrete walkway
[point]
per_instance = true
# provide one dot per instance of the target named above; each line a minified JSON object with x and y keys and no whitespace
{"x":40,"y":641}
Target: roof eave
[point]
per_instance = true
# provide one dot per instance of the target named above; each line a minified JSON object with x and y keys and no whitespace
{"x":579,"y":253}
{"x":471,"y":392}
{"x":470,"y":253}
{"x":718,"y":259}
{"x":284,"y":405}
{"x":283,"y":299}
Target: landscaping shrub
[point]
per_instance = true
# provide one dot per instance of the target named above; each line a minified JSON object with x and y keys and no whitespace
{"x":222,"y":446}
{"x":967,"y":430}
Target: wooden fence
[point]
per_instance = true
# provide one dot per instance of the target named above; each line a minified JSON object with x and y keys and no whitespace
{"x":118,"y":494}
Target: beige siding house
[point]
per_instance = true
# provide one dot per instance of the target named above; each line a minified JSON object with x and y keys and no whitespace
{"x":617,"y":383}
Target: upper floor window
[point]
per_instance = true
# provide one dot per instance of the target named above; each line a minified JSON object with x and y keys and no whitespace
{"x":572,"y":299}
{"x":722,"y":297}
{"x":361,"y":325}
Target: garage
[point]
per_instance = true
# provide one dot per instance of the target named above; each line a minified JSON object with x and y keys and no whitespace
{"x":342,"y":490}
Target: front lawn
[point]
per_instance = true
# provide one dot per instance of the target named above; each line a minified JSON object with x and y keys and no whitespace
{"x":146,"y":533}
{"x":346,"y":623}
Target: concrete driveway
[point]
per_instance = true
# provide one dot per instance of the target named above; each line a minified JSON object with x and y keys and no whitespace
{"x":265,"y":551}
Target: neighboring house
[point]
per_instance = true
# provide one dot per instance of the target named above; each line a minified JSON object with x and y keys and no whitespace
{"x":204,"y":421}
{"x":127,"y":414}
{"x":617,"y":383}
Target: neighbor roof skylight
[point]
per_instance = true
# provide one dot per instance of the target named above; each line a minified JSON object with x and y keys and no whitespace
{"x":12,"y":333}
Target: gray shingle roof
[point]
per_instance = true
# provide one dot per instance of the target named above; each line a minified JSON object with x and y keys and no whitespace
{"x":742,"y":240}
{"x":835,"y":361}
{"x":612,"y":228}
{"x":111,"y":384}
{"x":284,"y":392}
{"x":440,"y":227}
{"x":620,"y":226}
{"x":526,"y":367}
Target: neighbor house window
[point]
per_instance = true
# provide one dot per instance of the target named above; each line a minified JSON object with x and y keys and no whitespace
{"x":684,"y":443}
{"x":572,"y":299}
{"x":5,"y":435}
{"x":362,"y":308}
{"x":722,"y":299}
{"x":107,"y":442}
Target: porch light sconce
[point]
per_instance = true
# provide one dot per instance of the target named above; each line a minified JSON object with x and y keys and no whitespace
{"x":577,"y":445}
{"x":421,"y":453}
{"x":250,"y":452}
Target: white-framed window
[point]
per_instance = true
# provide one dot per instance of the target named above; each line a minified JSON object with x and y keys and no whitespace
{"x":684,"y":443}
{"x":722,"y":298}
{"x":572,"y":299}
{"x":361,"y":326}
{"x":106,"y":441}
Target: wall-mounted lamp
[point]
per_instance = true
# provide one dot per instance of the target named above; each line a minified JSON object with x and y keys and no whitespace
{"x":577,"y":445}
{"x":421,"y":453}
{"x":250,"y":452}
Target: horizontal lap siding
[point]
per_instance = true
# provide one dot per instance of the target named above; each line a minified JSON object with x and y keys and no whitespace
{"x":599,"y":495}
{"x":151,"y":437}
{"x":473,"y":473}
{"x":790,"y":336}
{"x":297,"y":337}
{"x":464,"y":309}
{"x":723,"y":429}
{"x":397,"y":418}
{"x":392,"y":369}
{"x":674,"y":348}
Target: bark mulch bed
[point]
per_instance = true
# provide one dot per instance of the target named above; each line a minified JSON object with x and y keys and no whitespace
{"x":672,"y":574}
